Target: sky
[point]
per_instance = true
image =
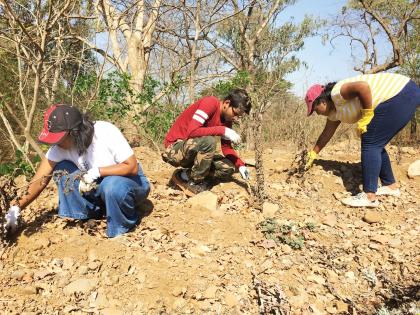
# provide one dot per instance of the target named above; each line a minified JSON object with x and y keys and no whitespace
{"x":325,"y":63}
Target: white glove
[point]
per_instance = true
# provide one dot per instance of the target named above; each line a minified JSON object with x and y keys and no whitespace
{"x":232,"y":135}
{"x":244,"y":172}
{"x":12,"y":217}
{"x":87,"y":182}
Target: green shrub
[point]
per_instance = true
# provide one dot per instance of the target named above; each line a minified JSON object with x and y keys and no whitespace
{"x":20,"y":166}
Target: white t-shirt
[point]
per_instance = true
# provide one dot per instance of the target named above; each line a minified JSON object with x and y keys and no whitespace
{"x":108,"y":147}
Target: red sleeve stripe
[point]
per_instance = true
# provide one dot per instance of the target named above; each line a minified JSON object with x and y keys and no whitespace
{"x":199,"y":119}
{"x":201,"y":113}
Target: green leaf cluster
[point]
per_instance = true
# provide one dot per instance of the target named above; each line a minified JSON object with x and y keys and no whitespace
{"x":116,"y":99}
{"x":291,"y":234}
{"x":19,"y":166}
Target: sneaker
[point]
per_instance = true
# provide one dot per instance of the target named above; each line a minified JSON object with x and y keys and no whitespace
{"x":190,"y":188}
{"x":360,"y":200}
{"x":386,"y":191}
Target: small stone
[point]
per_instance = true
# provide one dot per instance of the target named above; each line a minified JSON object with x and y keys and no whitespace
{"x":210,"y":293}
{"x":44,"y":243}
{"x":83,"y":270}
{"x":409,"y":150}
{"x":205,"y":306}
{"x":179,"y":304}
{"x":92,"y":255}
{"x":350,"y":276}
{"x":205,"y":200}
{"x":298,"y":300}
{"x":231,"y":300}
{"x":80,"y":286}
{"x":177,"y":291}
{"x":396,"y":242}
{"x":270,"y":209}
{"x":330,"y":220}
{"x":63,"y":281}
{"x":112,"y":311}
{"x":317,"y":279}
{"x":277,"y":186}
{"x":94,"y":265}
{"x":200,"y":250}
{"x":372,"y":217}
{"x":381,"y":239}
{"x":342,"y":307}
{"x":20,"y":180}
{"x":28,"y":277}
{"x":68,"y":263}
{"x":29,"y":290}
{"x":332,"y":276}
{"x":18,"y":275}
{"x":414,"y":169}
{"x":101,"y":301}
{"x":286,"y":249}
{"x":41,"y":274}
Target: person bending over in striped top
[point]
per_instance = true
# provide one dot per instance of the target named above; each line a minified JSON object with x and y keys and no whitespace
{"x":380,"y":105}
{"x":191,"y":142}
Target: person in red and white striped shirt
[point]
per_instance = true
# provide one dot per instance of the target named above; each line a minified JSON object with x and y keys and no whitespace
{"x":191,"y":141}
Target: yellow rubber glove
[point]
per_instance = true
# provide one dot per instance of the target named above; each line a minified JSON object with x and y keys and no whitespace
{"x":311,"y":158}
{"x":367,"y":115}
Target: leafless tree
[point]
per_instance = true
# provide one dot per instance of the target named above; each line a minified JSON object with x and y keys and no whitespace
{"x":364,"y":22}
{"x":32,"y":33}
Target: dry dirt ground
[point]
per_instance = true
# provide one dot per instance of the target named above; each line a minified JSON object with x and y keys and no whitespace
{"x":189,"y":257}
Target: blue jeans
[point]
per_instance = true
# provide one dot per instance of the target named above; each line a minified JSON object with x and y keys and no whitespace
{"x":390,"y":117}
{"x":117,"y":197}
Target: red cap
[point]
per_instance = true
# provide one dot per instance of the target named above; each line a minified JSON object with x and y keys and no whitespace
{"x":311,"y":95}
{"x":59,"y":119}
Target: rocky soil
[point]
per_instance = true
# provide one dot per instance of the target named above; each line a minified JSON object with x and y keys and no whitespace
{"x":216,"y":254}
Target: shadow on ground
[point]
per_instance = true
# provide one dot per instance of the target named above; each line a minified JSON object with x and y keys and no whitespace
{"x":350,"y":173}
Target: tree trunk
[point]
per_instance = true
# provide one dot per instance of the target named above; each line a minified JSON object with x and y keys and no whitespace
{"x":413,"y":128}
{"x":258,"y":141}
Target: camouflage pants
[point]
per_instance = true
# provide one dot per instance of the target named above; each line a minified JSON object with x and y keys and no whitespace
{"x":199,"y":155}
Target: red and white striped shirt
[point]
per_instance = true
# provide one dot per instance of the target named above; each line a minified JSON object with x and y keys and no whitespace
{"x":202,"y":119}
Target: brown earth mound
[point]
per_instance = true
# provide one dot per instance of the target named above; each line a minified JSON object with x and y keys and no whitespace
{"x":218,"y":255}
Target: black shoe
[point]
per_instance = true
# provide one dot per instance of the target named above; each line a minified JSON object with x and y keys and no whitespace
{"x":190,"y":188}
{"x":196,"y":188}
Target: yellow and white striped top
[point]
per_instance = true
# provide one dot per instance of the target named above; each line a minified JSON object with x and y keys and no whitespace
{"x":383,"y":86}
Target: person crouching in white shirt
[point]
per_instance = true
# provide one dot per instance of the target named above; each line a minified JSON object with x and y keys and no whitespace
{"x":94,"y":168}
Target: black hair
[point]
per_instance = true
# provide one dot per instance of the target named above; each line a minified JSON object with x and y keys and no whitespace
{"x":325,"y":95}
{"x":83,"y":134}
{"x":239,"y":98}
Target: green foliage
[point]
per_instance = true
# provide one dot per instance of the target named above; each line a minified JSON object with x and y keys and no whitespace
{"x":159,"y":119}
{"x":290,"y":234}
{"x":20,"y":166}
{"x":116,"y":99}
{"x":222,"y":87}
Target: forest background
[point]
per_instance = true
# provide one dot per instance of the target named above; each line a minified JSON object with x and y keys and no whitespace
{"x":139,"y":63}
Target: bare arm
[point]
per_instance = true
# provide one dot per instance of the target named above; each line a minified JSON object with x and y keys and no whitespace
{"x":127,"y":168}
{"x":40,"y":180}
{"x":326,"y":135}
{"x":358,"y":89}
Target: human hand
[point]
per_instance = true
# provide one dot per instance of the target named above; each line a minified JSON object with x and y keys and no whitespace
{"x":232,"y":135}
{"x":12,"y":217}
{"x":244,"y":172}
{"x":312,"y":155}
{"x":87,"y":182}
{"x":367,"y":115}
